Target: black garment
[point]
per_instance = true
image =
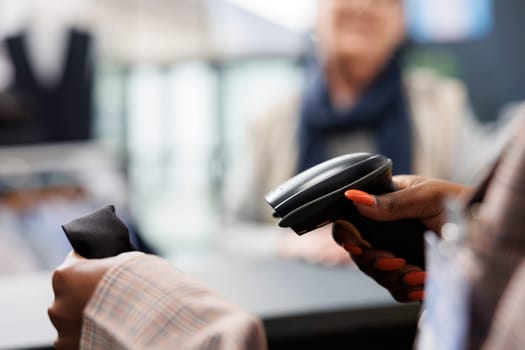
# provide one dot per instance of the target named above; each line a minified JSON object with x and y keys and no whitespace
{"x":99,"y":235}
{"x":58,"y":113}
{"x":382,"y":110}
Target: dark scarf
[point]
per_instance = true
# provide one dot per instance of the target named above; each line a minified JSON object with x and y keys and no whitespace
{"x":382,"y":110}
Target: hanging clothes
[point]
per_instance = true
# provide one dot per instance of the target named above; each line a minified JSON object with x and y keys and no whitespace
{"x":57,"y":113}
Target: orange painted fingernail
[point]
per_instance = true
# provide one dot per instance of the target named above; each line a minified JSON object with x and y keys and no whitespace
{"x":415,"y":278}
{"x":389,"y":264}
{"x":352,"y":249}
{"x":361,"y":197}
{"x":416,"y":295}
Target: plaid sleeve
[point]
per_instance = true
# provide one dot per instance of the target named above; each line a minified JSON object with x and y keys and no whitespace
{"x":146,"y":303}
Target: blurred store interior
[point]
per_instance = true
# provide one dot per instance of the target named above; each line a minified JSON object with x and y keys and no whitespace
{"x":147,"y":105}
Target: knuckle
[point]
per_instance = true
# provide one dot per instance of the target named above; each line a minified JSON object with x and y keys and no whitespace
{"x":54,"y":316}
{"x":57,"y":278}
{"x":59,"y":281}
{"x":391,"y":202}
{"x":51,"y":312}
{"x":58,"y":317}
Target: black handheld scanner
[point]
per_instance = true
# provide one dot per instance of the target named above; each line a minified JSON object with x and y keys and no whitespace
{"x":315,"y":198}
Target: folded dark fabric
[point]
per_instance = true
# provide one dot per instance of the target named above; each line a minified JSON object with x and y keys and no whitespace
{"x":99,"y":235}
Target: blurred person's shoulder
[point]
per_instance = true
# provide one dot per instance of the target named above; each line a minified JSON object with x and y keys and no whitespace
{"x":512,"y":116}
{"x":269,"y":159}
{"x":429,"y":84}
{"x":439,"y":106}
{"x":281,"y":115}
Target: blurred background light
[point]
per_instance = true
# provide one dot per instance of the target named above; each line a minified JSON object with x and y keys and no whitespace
{"x":296,"y":15}
{"x":449,"y":20}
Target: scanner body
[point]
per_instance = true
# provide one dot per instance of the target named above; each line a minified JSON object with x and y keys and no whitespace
{"x":315,"y":197}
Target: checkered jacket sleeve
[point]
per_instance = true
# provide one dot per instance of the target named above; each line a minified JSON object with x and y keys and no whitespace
{"x":146,"y":303}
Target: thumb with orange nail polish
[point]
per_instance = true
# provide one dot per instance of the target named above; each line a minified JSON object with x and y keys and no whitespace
{"x":361,"y":197}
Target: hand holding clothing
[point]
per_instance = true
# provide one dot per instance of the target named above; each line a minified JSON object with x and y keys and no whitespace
{"x":137,"y":301}
{"x":74,"y":282}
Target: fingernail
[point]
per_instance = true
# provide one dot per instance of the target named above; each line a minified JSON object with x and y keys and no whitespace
{"x":416,"y":295}
{"x":361,"y":197}
{"x":352,"y":249}
{"x":389,"y":264}
{"x":415,"y":278}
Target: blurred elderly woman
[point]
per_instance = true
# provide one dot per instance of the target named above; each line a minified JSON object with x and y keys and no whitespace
{"x":358,"y":99}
